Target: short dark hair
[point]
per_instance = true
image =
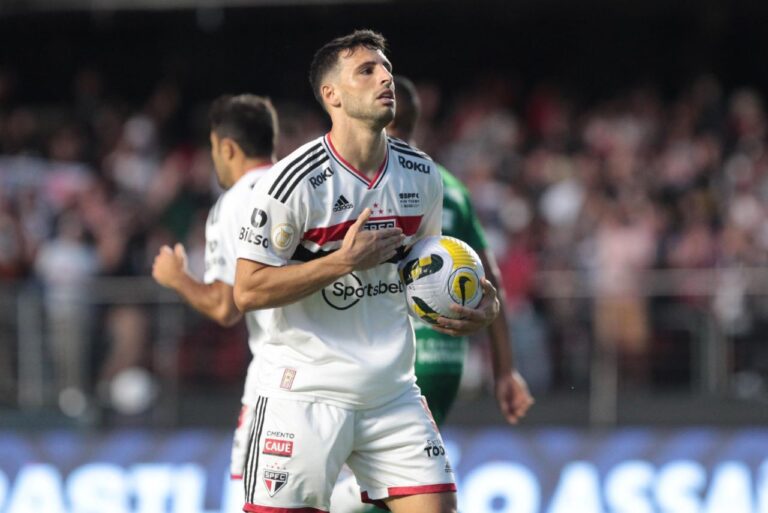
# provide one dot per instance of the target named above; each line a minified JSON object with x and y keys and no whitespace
{"x":247,"y":119}
{"x":326,"y":57}
{"x":408,"y":106}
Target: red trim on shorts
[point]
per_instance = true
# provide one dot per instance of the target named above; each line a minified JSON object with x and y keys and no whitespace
{"x":376,"y":502}
{"x":236,"y":477}
{"x":402,"y":491}
{"x":253,"y":508}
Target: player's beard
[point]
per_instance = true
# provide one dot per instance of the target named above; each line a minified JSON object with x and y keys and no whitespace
{"x":377,"y":116}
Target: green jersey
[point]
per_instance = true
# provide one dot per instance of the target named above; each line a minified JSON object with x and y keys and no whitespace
{"x":439,"y":357}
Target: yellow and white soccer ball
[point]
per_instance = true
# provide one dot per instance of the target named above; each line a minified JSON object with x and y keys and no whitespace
{"x":440,"y":271}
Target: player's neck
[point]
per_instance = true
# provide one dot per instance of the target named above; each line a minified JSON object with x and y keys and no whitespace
{"x":363,"y":148}
{"x":251,"y":164}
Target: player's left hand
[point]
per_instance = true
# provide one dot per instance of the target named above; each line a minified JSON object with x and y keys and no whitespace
{"x":472,"y":319}
{"x":513,"y":396}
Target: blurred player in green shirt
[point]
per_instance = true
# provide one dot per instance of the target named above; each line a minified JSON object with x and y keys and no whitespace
{"x":439,"y":357}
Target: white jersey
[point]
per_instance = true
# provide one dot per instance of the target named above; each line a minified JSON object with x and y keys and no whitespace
{"x":352,"y":342}
{"x":221,"y":260}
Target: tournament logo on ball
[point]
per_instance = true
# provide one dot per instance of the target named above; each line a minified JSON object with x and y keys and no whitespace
{"x":274,"y":480}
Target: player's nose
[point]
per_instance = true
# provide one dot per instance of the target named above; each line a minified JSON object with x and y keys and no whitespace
{"x":385,"y":76}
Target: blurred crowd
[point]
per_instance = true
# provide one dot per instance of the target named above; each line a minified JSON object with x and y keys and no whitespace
{"x":600,"y":190}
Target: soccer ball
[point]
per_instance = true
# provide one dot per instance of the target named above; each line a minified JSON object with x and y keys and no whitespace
{"x":440,"y":271}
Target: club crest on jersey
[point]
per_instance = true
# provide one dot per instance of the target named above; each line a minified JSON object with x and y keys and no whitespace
{"x":274,"y":480}
{"x":278,"y":447}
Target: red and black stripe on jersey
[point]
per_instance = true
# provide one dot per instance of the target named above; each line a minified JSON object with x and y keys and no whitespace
{"x":296,"y":170}
{"x":326,"y":234}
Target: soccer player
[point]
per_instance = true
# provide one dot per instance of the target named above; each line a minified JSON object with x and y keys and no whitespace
{"x":243,"y":133}
{"x":440,"y":357}
{"x":318,"y":246}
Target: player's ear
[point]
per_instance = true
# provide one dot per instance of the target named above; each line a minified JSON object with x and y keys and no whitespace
{"x":228,"y":148}
{"x":329,"y":94}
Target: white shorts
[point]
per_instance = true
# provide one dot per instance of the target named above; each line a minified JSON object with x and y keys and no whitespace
{"x":297,"y":449}
{"x":240,"y":442}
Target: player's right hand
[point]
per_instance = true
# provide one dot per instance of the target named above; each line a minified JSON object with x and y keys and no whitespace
{"x":362,"y":249}
{"x":169,"y":265}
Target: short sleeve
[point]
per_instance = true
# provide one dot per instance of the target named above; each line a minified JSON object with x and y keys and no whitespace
{"x":432,"y":223}
{"x":269,"y":230}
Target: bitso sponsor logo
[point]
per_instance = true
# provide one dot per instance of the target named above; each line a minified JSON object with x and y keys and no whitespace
{"x":258,"y":218}
{"x":278,"y":447}
{"x":342,"y":204}
{"x":249,"y":235}
{"x":282,"y":236}
{"x":421,"y":167}
{"x":320,"y":178}
{"x":349,"y":290}
{"x":274,"y":480}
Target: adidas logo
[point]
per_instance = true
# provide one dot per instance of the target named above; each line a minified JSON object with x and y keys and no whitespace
{"x":342,"y":204}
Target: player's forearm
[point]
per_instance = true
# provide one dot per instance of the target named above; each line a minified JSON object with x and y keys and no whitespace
{"x":208,"y":299}
{"x":501,"y":349}
{"x":258,"y":287}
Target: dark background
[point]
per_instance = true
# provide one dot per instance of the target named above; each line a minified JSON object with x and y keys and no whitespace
{"x":592,"y":49}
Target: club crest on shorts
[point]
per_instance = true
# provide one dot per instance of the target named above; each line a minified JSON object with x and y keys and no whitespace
{"x":274,"y":480}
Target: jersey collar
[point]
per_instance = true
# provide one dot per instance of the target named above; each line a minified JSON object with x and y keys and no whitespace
{"x":370,"y":184}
